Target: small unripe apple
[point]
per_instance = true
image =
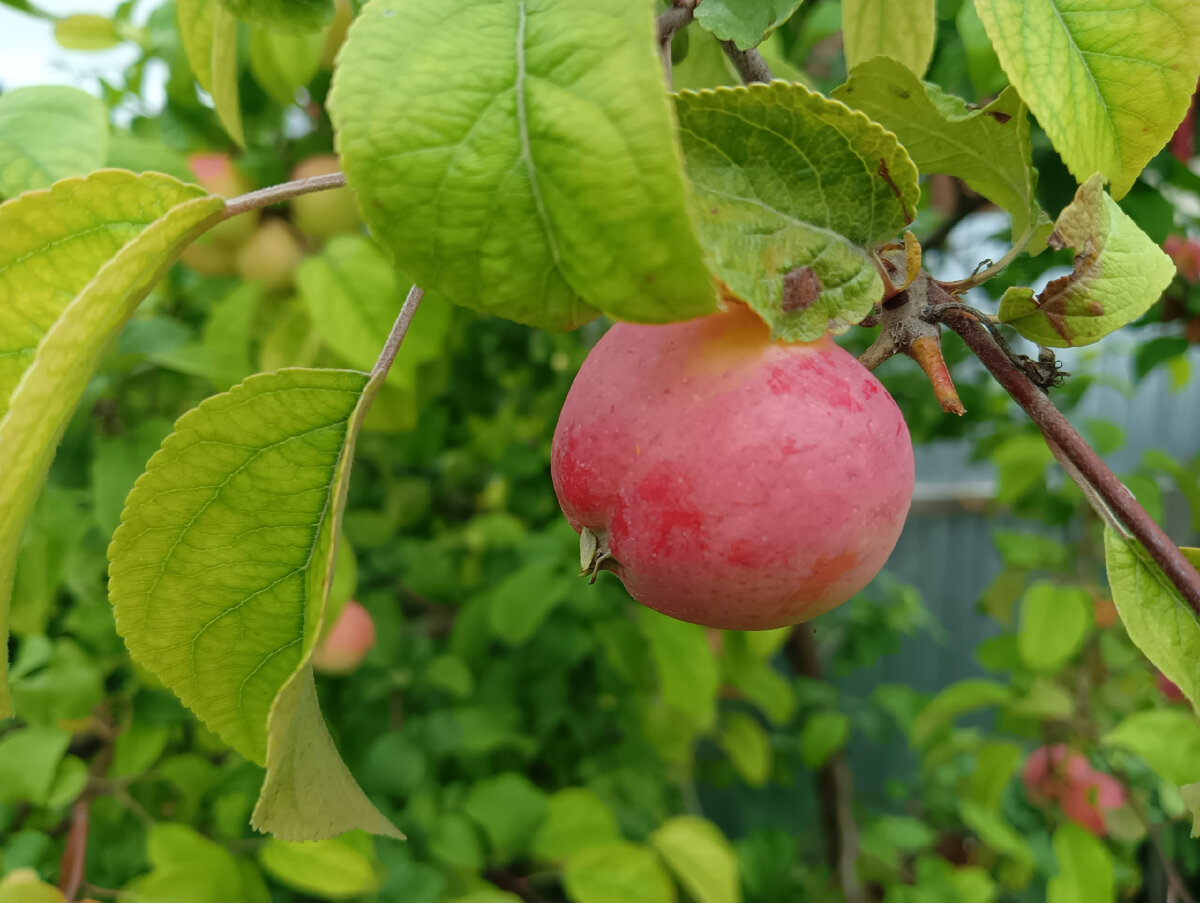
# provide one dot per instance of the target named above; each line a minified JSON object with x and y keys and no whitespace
{"x":1055,"y":774}
{"x":208,"y":258}
{"x":322,"y":214}
{"x":216,"y":174}
{"x":1086,"y":802}
{"x":347,"y":643}
{"x":729,"y":480}
{"x":271,"y":255}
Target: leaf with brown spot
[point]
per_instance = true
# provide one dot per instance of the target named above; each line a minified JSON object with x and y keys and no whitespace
{"x":801,"y":287}
{"x":1119,"y":272}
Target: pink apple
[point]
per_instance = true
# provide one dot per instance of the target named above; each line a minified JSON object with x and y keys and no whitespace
{"x":1168,"y":688}
{"x":217,"y":174}
{"x":735,"y":482}
{"x":322,"y":214}
{"x":347,"y":643}
{"x":1186,"y":254}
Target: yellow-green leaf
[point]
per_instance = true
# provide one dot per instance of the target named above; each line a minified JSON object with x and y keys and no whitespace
{"x":1119,"y":272}
{"x":283,"y":16}
{"x":75,"y":261}
{"x":990,"y":149}
{"x":225,"y":73}
{"x":792,"y":193}
{"x":903,"y":31}
{"x":1155,"y":616}
{"x":196,"y":31}
{"x":86,"y":31}
{"x":330,"y":869}
{"x":541,"y":182}
{"x":221,"y":572}
{"x":701,"y":858}
{"x":1108,"y":80}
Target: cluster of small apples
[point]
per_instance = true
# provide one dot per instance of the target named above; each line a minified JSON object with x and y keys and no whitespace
{"x":267,"y":249}
{"x":1058,"y":776}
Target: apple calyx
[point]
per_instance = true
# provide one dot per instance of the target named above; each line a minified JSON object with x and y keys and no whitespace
{"x":594,"y":554}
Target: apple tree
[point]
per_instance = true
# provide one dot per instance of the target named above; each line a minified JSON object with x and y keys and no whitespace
{"x":300,"y":373}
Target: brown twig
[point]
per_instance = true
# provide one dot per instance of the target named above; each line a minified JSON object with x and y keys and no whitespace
{"x":277,"y":194}
{"x":74,"y":858}
{"x":1113,"y":501}
{"x":670,"y":22}
{"x":750,"y":65}
{"x":514,"y":884}
{"x":835,"y":781}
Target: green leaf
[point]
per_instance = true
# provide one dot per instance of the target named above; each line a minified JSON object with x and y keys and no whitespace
{"x":282,"y":63}
{"x":995,"y":763}
{"x":283,"y":16}
{"x":352,"y":295}
{"x":28,"y":760}
{"x":75,"y":261}
{"x":1119,"y":272}
{"x":701,"y":858}
{"x":117,"y":462}
{"x":522,"y":601}
{"x":745,"y":22}
{"x":766,"y":210}
{"x":454,"y":841}
{"x":873,"y":28}
{"x":185,"y":861}
{"x":1156,"y":617}
{"x":990,"y":149}
{"x":221,"y":572}
{"x":1020,"y":465}
{"x":24,"y":886}
{"x":86,"y":31}
{"x":617,"y":873}
{"x":225,"y":72}
{"x":331,"y":869}
{"x":1054,"y":623}
{"x":823,"y":734}
{"x":1168,"y":740}
{"x":196,"y":31}
{"x":982,"y":63}
{"x":748,"y":747}
{"x":688,"y":677}
{"x":1085,"y":868}
{"x":1108,"y":80}
{"x":1046,"y":700}
{"x":995,"y":831}
{"x":1190,"y":793}
{"x":543,"y":187}
{"x":510,"y":809}
{"x":1156,"y":351}
{"x":47,"y":134}
{"x":575,"y":820}
{"x":957,"y":699}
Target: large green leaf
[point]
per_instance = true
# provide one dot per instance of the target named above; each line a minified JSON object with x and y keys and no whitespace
{"x":1155,"y":616}
{"x":1108,"y":80}
{"x":47,"y":134}
{"x":221,"y":571}
{"x":75,"y":261}
{"x":617,"y":873}
{"x":1119,"y":272}
{"x":196,"y":31}
{"x":1168,"y":740}
{"x":1085,"y":868}
{"x":688,"y":677}
{"x":541,"y":183}
{"x":824,"y":733}
{"x":989,"y":149}
{"x":792,"y":194}
{"x":1054,"y":623}
{"x":745,"y":22}
{"x":903,"y":31}
{"x":701,"y":858}
{"x":748,"y":747}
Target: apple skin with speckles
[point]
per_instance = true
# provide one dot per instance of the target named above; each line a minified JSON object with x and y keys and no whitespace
{"x":729,"y":480}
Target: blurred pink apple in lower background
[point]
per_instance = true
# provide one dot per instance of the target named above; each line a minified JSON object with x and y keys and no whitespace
{"x":1056,"y":774}
{"x":347,"y":643}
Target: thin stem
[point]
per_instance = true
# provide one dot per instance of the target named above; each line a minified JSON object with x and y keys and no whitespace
{"x":982,"y":276}
{"x":1093,"y":475}
{"x":670,"y":22}
{"x":277,"y":194}
{"x":74,"y":857}
{"x":750,"y":65}
{"x":399,"y":330}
